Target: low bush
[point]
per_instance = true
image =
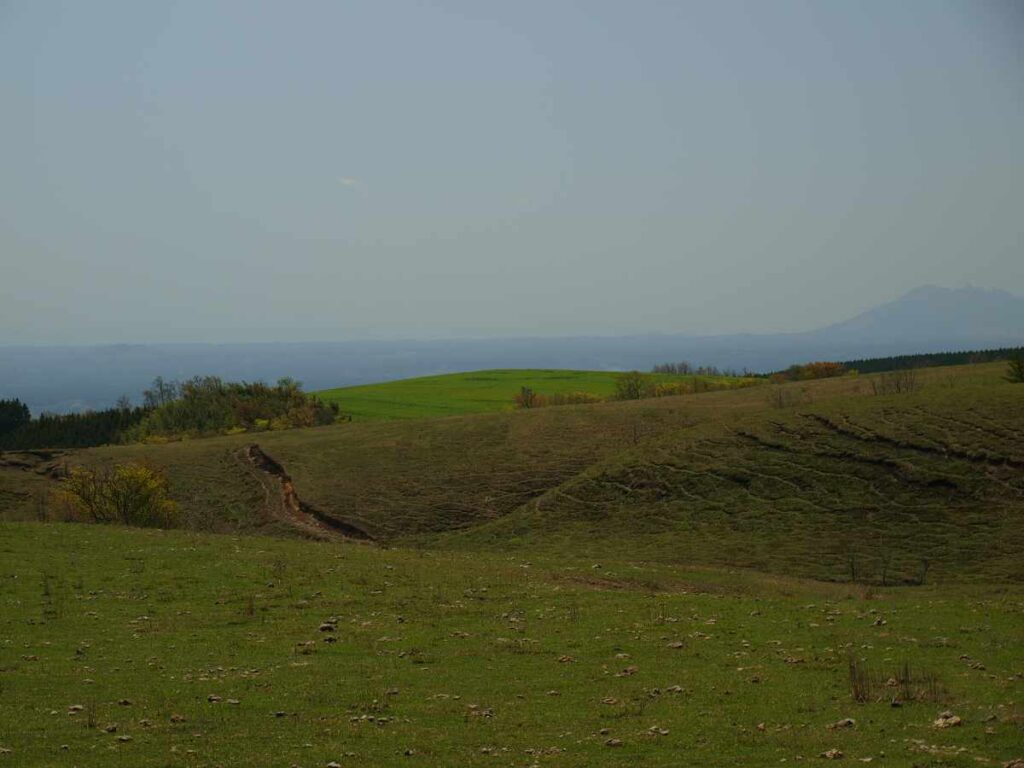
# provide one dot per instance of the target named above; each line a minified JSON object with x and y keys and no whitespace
{"x":1015,"y":370}
{"x":129,"y":494}
{"x":896,"y":382}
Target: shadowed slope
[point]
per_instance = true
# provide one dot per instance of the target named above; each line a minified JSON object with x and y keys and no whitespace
{"x":888,"y":489}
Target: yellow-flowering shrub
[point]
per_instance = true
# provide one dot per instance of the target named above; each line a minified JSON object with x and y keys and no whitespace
{"x":130,"y":494}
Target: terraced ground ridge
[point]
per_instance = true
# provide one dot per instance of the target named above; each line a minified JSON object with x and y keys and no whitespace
{"x":887,"y":490}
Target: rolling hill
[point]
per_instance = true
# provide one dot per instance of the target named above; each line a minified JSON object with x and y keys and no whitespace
{"x":488,"y":391}
{"x":578,"y":585}
{"x":828,"y":481}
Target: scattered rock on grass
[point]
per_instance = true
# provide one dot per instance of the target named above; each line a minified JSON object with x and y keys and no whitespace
{"x":832,"y":754}
{"x":846,"y":722}
{"x":947,"y":720}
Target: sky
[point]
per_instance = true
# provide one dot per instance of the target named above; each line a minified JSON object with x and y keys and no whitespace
{"x":274,"y":171}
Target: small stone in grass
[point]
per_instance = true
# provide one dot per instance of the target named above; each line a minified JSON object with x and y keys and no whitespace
{"x":613,"y":743}
{"x":832,"y":754}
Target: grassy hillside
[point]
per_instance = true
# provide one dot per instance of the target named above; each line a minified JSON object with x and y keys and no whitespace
{"x":401,"y":478}
{"x":890,"y":489}
{"x":480,"y":391}
{"x":820,"y":479}
{"x":149,"y":648}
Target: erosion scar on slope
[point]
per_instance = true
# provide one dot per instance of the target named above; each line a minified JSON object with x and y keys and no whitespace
{"x":299,"y":512}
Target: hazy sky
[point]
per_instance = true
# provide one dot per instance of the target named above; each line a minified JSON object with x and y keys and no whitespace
{"x":221,"y":171}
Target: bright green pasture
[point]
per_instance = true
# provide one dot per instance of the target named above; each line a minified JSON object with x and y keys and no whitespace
{"x":478,"y":391}
{"x":149,"y":648}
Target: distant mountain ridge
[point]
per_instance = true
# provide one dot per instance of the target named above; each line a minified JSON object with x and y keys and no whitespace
{"x":934,"y":313}
{"x":926,"y":320}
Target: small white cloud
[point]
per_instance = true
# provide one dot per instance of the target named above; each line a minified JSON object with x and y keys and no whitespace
{"x":349,"y":181}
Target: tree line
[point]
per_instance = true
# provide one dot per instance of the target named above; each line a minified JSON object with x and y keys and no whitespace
{"x":683,"y":368}
{"x":934,"y":360}
{"x":70,"y":430}
{"x":204,"y":405}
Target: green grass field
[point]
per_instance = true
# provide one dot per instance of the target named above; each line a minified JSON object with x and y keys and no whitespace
{"x":480,"y":391}
{"x":149,"y":648}
{"x":682,"y":581}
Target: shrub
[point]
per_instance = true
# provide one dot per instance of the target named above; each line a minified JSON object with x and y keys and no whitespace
{"x":896,"y":382}
{"x":573,"y":398}
{"x":1015,"y":370}
{"x":821,"y":369}
{"x":631,"y":386}
{"x":903,"y":684}
{"x":527,"y":398}
{"x":129,"y":494}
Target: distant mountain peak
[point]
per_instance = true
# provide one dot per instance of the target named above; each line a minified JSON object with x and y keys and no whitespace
{"x":934,"y":313}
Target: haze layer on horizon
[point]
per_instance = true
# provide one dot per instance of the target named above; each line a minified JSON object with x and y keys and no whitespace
{"x":240,"y":171}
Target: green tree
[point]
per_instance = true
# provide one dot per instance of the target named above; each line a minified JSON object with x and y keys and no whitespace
{"x":13,"y":414}
{"x":1015,"y":372}
{"x":631,"y":386}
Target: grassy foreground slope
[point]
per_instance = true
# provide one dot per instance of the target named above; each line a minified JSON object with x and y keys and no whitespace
{"x":151,"y":648}
{"x":483,"y":391}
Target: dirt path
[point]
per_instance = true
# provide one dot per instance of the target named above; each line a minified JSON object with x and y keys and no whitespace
{"x":297,"y":512}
